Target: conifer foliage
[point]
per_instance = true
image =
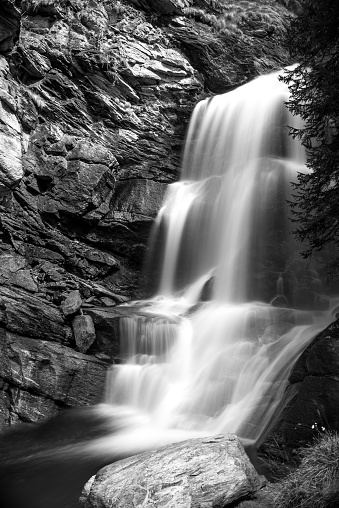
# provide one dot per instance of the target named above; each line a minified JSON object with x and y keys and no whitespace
{"x":313,"y":41}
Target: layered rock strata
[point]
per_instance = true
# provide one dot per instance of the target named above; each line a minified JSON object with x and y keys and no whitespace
{"x":95,"y":97}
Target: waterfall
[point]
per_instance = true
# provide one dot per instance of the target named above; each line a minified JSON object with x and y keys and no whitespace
{"x":235,"y":304}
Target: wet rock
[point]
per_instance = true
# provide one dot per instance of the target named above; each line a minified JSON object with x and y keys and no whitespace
{"x":107,"y":329}
{"x":207,"y":290}
{"x":279,"y":301}
{"x":42,"y":376}
{"x":315,"y":376}
{"x":202,"y":472}
{"x":72,"y":303}
{"x":95,"y":98}
{"x":84,"y":332}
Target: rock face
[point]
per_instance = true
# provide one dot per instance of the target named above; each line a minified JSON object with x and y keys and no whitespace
{"x":315,"y":377}
{"x":95,"y":97}
{"x":202,"y":472}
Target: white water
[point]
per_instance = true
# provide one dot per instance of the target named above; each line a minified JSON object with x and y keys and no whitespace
{"x":221,"y":365}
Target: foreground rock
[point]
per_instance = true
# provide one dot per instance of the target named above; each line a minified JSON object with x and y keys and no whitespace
{"x":203,"y":473}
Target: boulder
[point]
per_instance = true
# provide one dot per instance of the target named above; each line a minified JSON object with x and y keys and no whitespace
{"x":72,"y":303}
{"x":84,"y":332}
{"x":203,"y":472}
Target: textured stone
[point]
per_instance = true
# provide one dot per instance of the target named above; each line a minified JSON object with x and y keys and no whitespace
{"x":84,"y":332}
{"x":315,"y":378}
{"x":49,"y":371}
{"x":24,"y":280}
{"x":203,"y":472}
{"x":11,"y":170}
{"x":72,"y":303}
{"x":166,"y":6}
{"x":31,"y":316}
{"x":95,"y":98}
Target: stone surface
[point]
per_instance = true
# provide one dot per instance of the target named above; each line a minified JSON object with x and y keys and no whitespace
{"x":41,"y":377}
{"x":72,"y":303}
{"x":95,"y":98}
{"x":84,"y":332}
{"x":204,"y":473}
{"x":315,"y":377}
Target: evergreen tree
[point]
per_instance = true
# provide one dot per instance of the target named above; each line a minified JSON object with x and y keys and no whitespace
{"x":313,"y":41}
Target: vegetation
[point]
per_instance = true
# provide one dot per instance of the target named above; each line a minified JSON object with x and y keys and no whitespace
{"x":239,"y":18}
{"x":315,"y":484}
{"x":303,"y":478}
{"x":313,"y":41}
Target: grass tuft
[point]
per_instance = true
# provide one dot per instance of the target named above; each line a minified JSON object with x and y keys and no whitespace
{"x":315,"y":484}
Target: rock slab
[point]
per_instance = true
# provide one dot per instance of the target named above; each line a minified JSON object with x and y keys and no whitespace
{"x":204,"y":473}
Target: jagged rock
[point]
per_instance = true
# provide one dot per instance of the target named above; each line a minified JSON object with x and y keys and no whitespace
{"x":95,"y":98}
{"x":203,"y":472}
{"x":9,"y":24}
{"x":111,"y":337}
{"x":72,"y":303}
{"x":107,"y":329}
{"x":11,"y":170}
{"x":32,"y":316}
{"x":315,"y":377}
{"x":279,"y":301}
{"x":165,"y":6}
{"x":41,"y":376}
{"x":24,"y":280}
{"x":84,"y":332}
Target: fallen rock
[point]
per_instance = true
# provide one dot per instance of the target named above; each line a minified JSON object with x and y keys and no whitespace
{"x":72,"y":303}
{"x":84,"y":332}
{"x":204,"y":473}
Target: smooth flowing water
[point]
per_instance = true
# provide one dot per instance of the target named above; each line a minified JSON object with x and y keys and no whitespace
{"x":235,"y":306}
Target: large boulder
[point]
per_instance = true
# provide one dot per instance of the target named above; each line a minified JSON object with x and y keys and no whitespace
{"x":204,"y":473}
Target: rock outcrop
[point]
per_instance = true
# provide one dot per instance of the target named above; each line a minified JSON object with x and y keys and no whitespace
{"x":315,"y":379}
{"x":202,"y":472}
{"x":95,"y":97}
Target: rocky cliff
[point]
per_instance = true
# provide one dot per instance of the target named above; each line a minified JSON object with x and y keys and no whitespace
{"x":95,"y":96}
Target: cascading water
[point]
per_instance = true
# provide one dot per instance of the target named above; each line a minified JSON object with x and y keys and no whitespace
{"x":235,"y":305}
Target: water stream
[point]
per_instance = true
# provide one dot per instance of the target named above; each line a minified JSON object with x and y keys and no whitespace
{"x":235,"y":304}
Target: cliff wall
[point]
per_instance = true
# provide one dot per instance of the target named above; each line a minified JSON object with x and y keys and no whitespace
{"x":95,"y":97}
